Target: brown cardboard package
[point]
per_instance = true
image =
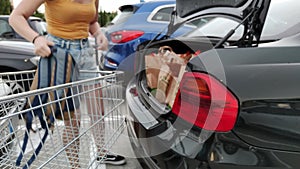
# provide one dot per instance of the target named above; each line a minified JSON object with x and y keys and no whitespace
{"x":164,"y":71}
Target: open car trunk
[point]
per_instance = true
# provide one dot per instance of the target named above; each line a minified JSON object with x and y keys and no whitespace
{"x":156,"y":93}
{"x":163,"y":62}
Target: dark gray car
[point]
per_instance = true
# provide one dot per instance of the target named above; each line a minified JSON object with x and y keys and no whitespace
{"x":237,"y":103}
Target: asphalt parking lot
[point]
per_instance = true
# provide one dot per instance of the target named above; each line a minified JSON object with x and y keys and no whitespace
{"x":123,"y":147}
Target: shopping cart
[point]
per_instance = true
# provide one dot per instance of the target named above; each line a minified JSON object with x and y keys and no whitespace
{"x":82,"y":141}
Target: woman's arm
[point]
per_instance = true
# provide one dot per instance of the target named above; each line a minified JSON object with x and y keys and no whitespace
{"x":95,"y":30}
{"x":19,"y":16}
{"x":18,"y":20}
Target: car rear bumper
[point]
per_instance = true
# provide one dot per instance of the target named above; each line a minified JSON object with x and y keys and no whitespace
{"x":167,"y":159}
{"x":106,"y":61}
{"x":155,"y":141}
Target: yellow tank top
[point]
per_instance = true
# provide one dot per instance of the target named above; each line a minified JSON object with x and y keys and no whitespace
{"x":68,"y":19}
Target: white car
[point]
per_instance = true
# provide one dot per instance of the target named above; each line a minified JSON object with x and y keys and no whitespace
{"x":7,"y":125}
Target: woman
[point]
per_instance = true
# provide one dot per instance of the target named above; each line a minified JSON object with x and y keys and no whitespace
{"x":69,"y":23}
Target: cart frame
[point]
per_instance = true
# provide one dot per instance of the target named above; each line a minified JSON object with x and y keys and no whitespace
{"x":98,"y":119}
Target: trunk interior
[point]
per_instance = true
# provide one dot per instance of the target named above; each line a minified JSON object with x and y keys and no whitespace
{"x":181,"y":46}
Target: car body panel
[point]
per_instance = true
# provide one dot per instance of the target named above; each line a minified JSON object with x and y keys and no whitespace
{"x":270,"y":110}
{"x":16,"y":55}
{"x":229,"y":152}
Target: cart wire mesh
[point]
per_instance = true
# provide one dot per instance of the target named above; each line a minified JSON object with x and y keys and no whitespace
{"x":79,"y":137}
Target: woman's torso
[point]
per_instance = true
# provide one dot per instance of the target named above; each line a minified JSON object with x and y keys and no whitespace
{"x":69,"y":19}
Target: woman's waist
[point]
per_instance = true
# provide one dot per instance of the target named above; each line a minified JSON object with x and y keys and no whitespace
{"x":69,"y":43}
{"x":68,"y":30}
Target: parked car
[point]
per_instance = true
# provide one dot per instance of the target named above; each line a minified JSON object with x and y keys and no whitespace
{"x":8,"y":33}
{"x":17,"y":56}
{"x":136,"y":24}
{"x":16,"y":53}
{"x":7,"y":125}
{"x":237,"y":102}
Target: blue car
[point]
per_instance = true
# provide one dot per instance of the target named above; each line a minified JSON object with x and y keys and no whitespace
{"x":135,"y":24}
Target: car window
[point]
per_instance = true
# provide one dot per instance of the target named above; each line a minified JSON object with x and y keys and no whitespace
{"x":39,"y":26}
{"x":212,"y":28}
{"x":4,"y":28}
{"x":187,"y":7}
{"x":163,"y":14}
{"x":278,"y":24}
{"x":282,"y":19}
{"x":123,"y":14}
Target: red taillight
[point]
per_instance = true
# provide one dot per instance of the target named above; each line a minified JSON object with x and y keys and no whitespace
{"x":205,"y":102}
{"x":125,"y":35}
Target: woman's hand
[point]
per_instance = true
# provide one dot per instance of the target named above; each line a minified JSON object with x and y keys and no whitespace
{"x":42,"y":46}
{"x":101,"y":40}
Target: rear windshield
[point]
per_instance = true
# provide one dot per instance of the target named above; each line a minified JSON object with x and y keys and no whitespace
{"x":187,"y":7}
{"x":281,"y":21}
{"x":39,"y":26}
{"x":4,"y":28}
{"x":124,"y":13}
